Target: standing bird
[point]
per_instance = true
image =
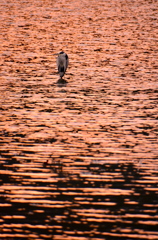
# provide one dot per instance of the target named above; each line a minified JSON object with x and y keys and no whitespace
{"x":62,"y":63}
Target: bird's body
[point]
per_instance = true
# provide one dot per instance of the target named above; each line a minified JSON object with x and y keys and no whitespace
{"x":62,"y":63}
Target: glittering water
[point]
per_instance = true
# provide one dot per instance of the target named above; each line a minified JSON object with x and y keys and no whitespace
{"x":78,"y":160}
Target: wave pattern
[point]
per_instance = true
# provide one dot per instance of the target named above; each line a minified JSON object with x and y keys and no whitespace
{"x":78,"y":160}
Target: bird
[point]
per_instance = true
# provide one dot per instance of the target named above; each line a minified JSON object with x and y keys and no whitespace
{"x":62,"y":63}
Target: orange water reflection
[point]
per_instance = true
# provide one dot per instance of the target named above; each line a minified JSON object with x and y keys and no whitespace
{"x":78,"y":160}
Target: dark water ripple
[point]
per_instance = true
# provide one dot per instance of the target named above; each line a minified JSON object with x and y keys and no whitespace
{"x":79,"y":160}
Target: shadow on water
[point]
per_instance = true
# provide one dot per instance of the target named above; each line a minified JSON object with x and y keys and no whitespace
{"x":61,"y":82}
{"x":92,"y":205}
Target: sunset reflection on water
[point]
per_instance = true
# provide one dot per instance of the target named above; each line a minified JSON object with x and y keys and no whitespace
{"x":78,"y":160}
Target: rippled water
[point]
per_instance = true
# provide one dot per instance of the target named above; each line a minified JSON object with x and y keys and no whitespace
{"x":79,"y":160}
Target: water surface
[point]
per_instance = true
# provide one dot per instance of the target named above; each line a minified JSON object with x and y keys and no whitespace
{"x":98,"y":132}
